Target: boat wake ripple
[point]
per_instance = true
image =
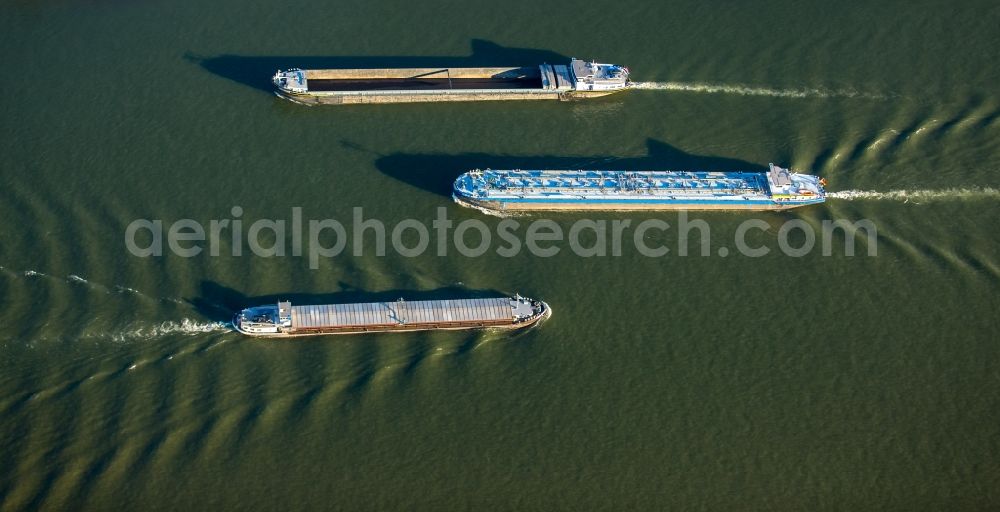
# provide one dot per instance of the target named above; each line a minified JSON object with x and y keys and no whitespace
{"x":185,"y":327}
{"x":748,"y":90}
{"x":76,"y":279}
{"x":913,"y":195}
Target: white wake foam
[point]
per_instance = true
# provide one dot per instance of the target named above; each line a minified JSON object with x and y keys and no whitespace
{"x":183,"y":327}
{"x":748,"y":90}
{"x":125,"y":289}
{"x":908,"y":195}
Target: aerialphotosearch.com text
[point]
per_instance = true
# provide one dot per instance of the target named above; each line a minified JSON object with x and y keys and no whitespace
{"x":319,"y":239}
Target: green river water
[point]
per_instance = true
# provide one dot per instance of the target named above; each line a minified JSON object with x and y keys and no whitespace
{"x":661,"y":383}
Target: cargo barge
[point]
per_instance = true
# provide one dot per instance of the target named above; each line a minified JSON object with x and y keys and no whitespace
{"x":282,"y":320}
{"x":516,"y":190}
{"x":577,"y":79}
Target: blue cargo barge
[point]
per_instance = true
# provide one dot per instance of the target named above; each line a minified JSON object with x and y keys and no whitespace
{"x":512,"y":190}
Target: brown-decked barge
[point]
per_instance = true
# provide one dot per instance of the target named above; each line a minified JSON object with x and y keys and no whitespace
{"x":285,"y":320}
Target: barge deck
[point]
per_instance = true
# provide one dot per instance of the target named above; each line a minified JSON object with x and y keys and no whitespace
{"x":285,"y":320}
{"x":777,"y":189}
{"x":578,"y":79}
{"x":422,"y":84}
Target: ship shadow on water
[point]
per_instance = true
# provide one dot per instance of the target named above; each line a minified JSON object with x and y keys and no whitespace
{"x":256,"y":71}
{"x":437,"y":172}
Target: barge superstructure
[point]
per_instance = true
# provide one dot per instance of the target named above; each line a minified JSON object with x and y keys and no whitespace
{"x":513,"y":190}
{"x":577,"y":79}
{"x":282,"y":320}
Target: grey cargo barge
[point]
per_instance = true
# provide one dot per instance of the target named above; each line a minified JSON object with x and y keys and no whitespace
{"x":577,"y":79}
{"x":285,"y":320}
